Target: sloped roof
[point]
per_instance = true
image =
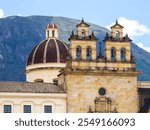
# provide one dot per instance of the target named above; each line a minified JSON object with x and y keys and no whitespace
{"x":51,"y":25}
{"x":26,"y":87}
{"x":82,"y":22}
{"x":117,"y":24}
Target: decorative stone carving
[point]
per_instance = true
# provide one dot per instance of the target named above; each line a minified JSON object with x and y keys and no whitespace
{"x":102,"y":105}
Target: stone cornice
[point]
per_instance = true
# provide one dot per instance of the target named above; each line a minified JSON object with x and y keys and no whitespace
{"x":42,"y":68}
{"x":101,"y":72}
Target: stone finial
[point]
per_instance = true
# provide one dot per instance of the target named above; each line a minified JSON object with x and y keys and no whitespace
{"x":116,"y":21}
{"x":107,"y":34}
{"x":72,"y":33}
{"x":82,"y":19}
{"x":132,"y":58}
{"x":115,"y":110}
{"x":90,"y":109}
{"x":92,"y":32}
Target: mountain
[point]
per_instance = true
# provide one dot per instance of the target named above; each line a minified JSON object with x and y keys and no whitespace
{"x":18,"y":35}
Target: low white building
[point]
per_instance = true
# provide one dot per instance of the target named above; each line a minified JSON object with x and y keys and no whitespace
{"x":24,"y":97}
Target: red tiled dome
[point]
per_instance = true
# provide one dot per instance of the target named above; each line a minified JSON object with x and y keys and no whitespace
{"x":51,"y":25}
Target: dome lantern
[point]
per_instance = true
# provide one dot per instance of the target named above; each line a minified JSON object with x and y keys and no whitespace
{"x":51,"y":31}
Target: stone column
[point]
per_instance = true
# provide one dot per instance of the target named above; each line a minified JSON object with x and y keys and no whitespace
{"x":107,"y":53}
{"x":83,"y":55}
{"x":93,"y":54}
{"x":118,"y":55}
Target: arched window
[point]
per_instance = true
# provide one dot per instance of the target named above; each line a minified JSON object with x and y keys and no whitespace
{"x":113,"y":54}
{"x":117,"y":35}
{"x":39,"y":80}
{"x":47,"y":33}
{"x":83,"y":33}
{"x":88,"y":53}
{"x":53,"y":33}
{"x":78,"y":53}
{"x":122,"y":54}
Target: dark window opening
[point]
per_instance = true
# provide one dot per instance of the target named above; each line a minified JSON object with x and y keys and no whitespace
{"x":102,"y":91}
{"x":83,"y":34}
{"x":7,"y":108}
{"x":117,"y":35}
{"x":113,"y":54}
{"x":88,"y":53}
{"x":122,"y":54}
{"x":78,"y":53}
{"x":53,"y":33}
{"x":47,"y":33}
{"x":27,"y":109}
{"x":47,"y":109}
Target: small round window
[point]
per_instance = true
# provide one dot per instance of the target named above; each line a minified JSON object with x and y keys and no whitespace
{"x":102,"y":91}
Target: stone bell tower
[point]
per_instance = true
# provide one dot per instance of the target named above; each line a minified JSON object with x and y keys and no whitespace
{"x":103,"y":83}
{"x":117,"y":47}
{"x":82,"y":45}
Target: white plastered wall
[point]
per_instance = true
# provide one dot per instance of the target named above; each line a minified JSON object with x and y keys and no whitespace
{"x":45,"y":71}
{"x":36,"y":100}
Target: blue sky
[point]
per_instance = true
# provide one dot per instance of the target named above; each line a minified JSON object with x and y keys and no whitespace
{"x":132,"y":14}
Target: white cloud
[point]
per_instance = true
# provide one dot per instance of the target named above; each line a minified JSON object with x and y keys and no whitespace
{"x":1,"y":13}
{"x":132,"y":27}
{"x":142,"y":46}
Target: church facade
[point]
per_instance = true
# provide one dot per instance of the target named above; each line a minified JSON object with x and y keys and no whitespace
{"x":74,"y":79}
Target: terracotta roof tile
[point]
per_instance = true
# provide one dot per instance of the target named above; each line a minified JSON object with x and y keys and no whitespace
{"x":28,"y":87}
{"x":51,"y":25}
